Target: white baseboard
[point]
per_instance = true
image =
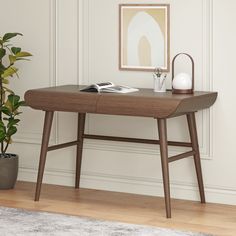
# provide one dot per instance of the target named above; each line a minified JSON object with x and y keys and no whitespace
{"x":138,"y":185}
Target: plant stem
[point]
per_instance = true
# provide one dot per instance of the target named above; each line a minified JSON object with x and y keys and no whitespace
{"x":1,"y":97}
{"x":5,"y":149}
{"x":1,"y":100}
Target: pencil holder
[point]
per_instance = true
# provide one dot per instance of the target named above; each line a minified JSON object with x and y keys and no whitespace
{"x":159,"y":83}
{"x":182,"y":83}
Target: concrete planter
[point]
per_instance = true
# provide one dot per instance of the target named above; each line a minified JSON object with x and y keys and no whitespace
{"x":8,"y":171}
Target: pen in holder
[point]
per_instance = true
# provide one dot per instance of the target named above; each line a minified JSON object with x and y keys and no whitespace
{"x":159,"y":81}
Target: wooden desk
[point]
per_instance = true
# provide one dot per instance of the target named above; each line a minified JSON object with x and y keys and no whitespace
{"x":144,"y":103}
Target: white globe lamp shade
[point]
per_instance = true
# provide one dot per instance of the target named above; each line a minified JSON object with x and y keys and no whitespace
{"x":182,"y":81}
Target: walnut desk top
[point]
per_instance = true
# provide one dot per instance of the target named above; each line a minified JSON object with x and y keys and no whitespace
{"x":145,"y":102}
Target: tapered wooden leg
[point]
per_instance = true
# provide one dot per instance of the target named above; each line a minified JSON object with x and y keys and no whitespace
{"x":164,"y":162}
{"x":194,"y":140}
{"x":80,"y":139}
{"x":44,"y":148}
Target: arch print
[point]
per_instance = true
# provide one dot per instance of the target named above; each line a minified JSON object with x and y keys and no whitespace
{"x":144,"y":37}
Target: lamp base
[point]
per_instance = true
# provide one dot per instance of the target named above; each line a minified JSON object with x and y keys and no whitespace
{"x":182,"y":91}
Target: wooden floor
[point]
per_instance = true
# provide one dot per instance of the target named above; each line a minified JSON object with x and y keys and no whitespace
{"x":138,"y":209}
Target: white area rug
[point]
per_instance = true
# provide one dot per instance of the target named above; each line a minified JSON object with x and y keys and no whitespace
{"x":19,"y":222}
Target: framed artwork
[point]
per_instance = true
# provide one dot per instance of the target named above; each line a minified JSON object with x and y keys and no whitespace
{"x":144,"y":40}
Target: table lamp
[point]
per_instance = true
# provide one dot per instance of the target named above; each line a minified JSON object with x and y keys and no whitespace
{"x":182,"y":83}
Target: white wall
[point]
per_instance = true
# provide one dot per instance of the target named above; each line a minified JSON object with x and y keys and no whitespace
{"x":77,"y":42}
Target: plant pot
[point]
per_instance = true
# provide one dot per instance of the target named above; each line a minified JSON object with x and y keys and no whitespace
{"x":8,"y":171}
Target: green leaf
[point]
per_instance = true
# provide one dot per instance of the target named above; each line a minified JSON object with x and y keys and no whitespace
{"x":2,"y":131}
{"x":9,"y":72}
{"x":2,"y":135}
{"x":13,"y":102}
{"x":8,"y":36}
{"x":8,"y":105}
{"x":15,"y":50}
{"x":22,"y":103}
{"x":8,"y":90}
{"x":12,"y":122}
{"x":22,"y":59}
{"x":2,"y":53}
{"x":13,"y":99}
{"x":23,"y":54}
{"x":12,"y":59}
{"x":1,"y":125}
{"x":6,"y":111}
{"x":12,"y":130}
{"x":2,"y":68}
{"x":5,"y":81}
{"x":16,"y":113}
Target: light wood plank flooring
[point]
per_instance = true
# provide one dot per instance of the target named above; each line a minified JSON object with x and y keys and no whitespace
{"x":186,"y":215}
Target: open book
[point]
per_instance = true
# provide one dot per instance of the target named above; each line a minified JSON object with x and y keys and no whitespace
{"x":108,"y":87}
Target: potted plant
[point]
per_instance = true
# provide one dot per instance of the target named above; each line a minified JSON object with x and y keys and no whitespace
{"x":9,"y":108}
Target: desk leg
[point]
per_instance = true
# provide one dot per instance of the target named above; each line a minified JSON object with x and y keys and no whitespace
{"x":194,"y":140}
{"x":80,"y":139}
{"x":164,"y":162}
{"x":44,"y":148}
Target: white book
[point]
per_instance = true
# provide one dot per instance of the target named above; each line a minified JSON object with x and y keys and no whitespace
{"x":108,"y":87}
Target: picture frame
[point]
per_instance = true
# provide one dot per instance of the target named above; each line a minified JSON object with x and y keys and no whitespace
{"x":144,"y":37}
